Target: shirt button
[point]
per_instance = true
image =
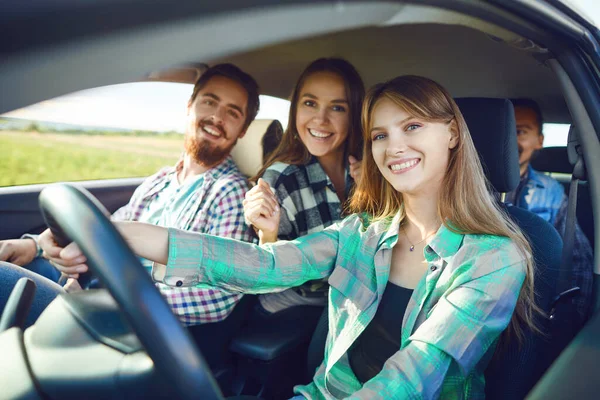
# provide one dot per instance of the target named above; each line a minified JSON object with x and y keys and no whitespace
{"x":433,"y":268}
{"x":179,"y":283}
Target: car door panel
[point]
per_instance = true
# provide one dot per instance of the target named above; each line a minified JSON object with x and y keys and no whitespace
{"x":19,"y":211}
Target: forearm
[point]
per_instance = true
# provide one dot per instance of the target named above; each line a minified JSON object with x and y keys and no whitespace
{"x":239,"y":266}
{"x":146,"y":240}
{"x":267,"y":237}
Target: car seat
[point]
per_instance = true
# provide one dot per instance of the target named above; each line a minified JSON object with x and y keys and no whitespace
{"x":555,"y":160}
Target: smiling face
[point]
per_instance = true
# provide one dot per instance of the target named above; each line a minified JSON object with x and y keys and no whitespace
{"x":411,"y":153}
{"x":215,"y":120}
{"x":322,"y":118}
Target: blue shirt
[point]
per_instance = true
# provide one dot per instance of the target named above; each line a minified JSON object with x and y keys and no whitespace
{"x":545,"y":196}
{"x":170,"y":204}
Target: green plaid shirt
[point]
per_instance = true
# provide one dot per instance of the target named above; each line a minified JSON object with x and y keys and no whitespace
{"x":451,"y":325}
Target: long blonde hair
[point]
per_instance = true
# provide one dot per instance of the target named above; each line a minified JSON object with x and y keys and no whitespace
{"x":465,"y":204}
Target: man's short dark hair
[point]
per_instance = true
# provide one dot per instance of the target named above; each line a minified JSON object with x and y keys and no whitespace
{"x":533,"y":106}
{"x":232,"y":72}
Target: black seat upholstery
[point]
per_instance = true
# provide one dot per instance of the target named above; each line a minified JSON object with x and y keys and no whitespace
{"x":214,"y":340}
{"x":556,"y":160}
{"x":514,"y":370}
{"x":552,"y":159}
{"x":267,"y":337}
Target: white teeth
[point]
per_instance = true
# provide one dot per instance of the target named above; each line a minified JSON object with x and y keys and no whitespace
{"x":211,"y":131}
{"x":404,"y":165}
{"x":319,"y":134}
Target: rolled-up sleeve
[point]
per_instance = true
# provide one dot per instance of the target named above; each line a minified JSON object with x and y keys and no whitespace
{"x":467,"y":320}
{"x":245,"y":267}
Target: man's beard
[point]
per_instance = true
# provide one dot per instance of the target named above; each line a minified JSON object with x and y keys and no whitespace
{"x":203,"y":152}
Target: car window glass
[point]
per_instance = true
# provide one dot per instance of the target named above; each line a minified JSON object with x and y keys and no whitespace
{"x":555,"y":135}
{"x":118,"y":131}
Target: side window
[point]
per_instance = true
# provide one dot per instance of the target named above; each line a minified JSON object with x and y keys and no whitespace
{"x":555,"y":135}
{"x":118,"y":131}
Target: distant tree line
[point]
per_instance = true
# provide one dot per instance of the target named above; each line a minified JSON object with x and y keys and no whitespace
{"x":41,"y":128}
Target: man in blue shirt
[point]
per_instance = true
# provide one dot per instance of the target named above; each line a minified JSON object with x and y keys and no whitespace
{"x":546,"y":197}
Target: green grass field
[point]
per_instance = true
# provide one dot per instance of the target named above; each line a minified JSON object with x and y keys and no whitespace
{"x":28,"y":158}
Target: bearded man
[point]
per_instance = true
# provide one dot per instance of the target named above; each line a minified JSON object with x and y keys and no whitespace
{"x":203,"y":192}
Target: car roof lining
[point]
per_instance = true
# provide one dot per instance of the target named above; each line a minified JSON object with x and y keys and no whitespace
{"x":467,"y":62}
{"x":463,"y":59}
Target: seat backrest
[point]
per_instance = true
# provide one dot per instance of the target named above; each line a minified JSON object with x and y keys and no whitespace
{"x":515,"y":368}
{"x":556,"y":160}
{"x":552,"y":159}
{"x":248,"y":151}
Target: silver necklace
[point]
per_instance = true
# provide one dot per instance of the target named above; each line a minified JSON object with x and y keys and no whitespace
{"x":412,"y":246}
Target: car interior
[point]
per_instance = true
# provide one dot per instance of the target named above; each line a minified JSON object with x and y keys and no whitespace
{"x":123,"y":342}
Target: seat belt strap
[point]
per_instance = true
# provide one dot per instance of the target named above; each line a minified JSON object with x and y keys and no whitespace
{"x":569,"y":234}
{"x":564,"y":287}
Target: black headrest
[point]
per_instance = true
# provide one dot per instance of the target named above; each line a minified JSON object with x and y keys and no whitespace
{"x":494,"y":132}
{"x":552,"y":159}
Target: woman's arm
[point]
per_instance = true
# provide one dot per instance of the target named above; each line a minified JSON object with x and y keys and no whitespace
{"x":248,"y":268}
{"x":146,"y":240}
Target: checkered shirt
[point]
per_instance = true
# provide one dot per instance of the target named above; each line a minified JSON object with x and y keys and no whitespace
{"x":309,"y":204}
{"x":215,"y":208}
{"x":307,"y":198}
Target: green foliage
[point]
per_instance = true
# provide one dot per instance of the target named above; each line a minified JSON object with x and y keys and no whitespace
{"x":27,"y":158}
{"x":32,"y":127}
{"x":41,"y":127}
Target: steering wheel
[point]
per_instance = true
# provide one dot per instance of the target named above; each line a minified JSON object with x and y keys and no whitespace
{"x":76,"y":213}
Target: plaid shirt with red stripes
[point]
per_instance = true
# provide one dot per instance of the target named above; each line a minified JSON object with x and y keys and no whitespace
{"x":215,"y":208}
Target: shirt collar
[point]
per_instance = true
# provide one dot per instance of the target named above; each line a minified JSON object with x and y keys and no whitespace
{"x":533,"y":176}
{"x":445,"y":243}
{"x":318,"y":179}
{"x":392,"y":227}
{"x":225,"y":166}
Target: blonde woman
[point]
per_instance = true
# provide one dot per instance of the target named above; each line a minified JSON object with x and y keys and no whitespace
{"x":424,"y":278}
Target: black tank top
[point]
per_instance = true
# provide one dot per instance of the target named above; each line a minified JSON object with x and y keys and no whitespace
{"x":381,"y":339}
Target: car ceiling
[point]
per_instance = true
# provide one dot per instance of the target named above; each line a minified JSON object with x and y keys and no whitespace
{"x":382,"y":39}
{"x":468,"y":62}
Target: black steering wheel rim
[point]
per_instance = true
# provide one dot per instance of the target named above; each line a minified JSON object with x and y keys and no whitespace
{"x":176,"y":358}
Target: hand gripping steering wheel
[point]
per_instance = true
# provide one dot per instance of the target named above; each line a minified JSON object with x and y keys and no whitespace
{"x":78,"y":215}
